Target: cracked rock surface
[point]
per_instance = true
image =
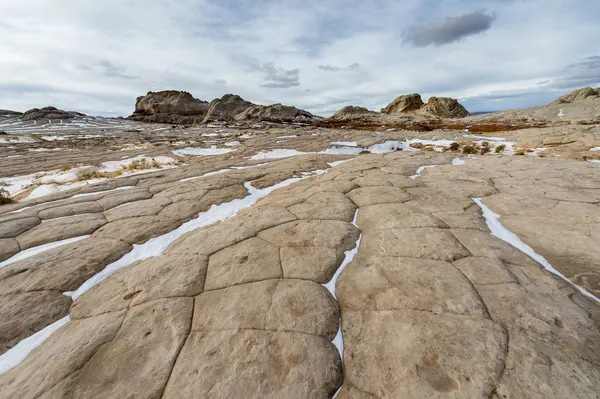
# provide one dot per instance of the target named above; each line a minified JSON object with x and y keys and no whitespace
{"x":431,"y":306}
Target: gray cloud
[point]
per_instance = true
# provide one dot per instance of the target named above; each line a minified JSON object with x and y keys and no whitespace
{"x":107,"y":68}
{"x":580,"y":74}
{"x":449,"y":29}
{"x":278,"y":77}
{"x":331,"y":68}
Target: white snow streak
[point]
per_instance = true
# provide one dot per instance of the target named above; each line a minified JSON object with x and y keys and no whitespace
{"x":498,"y":230}
{"x":420,"y":170}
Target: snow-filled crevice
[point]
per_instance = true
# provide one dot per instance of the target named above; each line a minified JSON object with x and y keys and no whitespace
{"x":498,"y":230}
{"x":152,"y":248}
{"x":338,"y":340}
{"x":420,"y":170}
{"x":349,"y":257}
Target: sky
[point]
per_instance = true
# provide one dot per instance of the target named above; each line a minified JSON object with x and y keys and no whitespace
{"x":96,"y":57}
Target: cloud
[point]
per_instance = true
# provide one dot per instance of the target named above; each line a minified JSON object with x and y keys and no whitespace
{"x":580,"y":74}
{"x":278,"y":77}
{"x":107,"y":68}
{"x":448,"y":30}
{"x":352,"y":67}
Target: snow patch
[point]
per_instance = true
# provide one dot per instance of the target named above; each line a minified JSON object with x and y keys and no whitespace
{"x":420,"y":170}
{"x":458,"y":162}
{"x":498,"y":230}
{"x":485,"y":138}
{"x":595,"y":149}
{"x":345,"y":143}
{"x":194,"y":151}
{"x":287,"y":137}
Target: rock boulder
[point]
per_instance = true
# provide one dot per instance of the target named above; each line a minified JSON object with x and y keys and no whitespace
{"x":275,"y":113}
{"x":404,"y":103}
{"x":445,"y":107}
{"x":226,"y":108}
{"x":169,"y":107}
{"x":577,"y":95}
{"x":352,"y":112}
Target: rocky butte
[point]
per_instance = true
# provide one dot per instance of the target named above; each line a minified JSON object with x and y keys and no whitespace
{"x":250,"y":251}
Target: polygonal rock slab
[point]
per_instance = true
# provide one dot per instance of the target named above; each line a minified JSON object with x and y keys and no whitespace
{"x":250,"y":260}
{"x":279,"y":305}
{"x":378,"y":195}
{"x":255,"y":364}
{"x":165,"y":276}
{"x":317,"y":264}
{"x":119,"y":198}
{"x":395,"y":216}
{"x":244,"y":225}
{"x":62,"y":269}
{"x":374,"y":283}
{"x":482,"y":244}
{"x":8,"y":248}
{"x":13,"y":228}
{"x":424,"y":243}
{"x":139,"y":360}
{"x":70,"y":210}
{"x":139,"y":208}
{"x":61,"y":229}
{"x":21,"y":315}
{"x":485,"y":270}
{"x":413,"y":354}
{"x":321,"y":233}
{"x":325,"y":206}
{"x":64,"y":352}
{"x":137,"y":230}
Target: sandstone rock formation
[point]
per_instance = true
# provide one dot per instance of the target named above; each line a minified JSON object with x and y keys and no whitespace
{"x":169,"y":107}
{"x":352,"y":112}
{"x":441,"y":107}
{"x":226,"y":108}
{"x":577,"y":95}
{"x":51,"y":113}
{"x":404,"y":103}
{"x":445,"y":107}
{"x":274,"y":113}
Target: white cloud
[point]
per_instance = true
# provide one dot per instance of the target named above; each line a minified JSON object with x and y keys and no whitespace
{"x":99,"y":56}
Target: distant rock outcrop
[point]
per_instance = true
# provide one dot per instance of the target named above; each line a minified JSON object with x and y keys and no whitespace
{"x":182,"y":107}
{"x":352,"y":112}
{"x":49,"y":113}
{"x":404,"y":103}
{"x":226,"y":108}
{"x":9,"y":114}
{"x":442,"y":107}
{"x":275,"y":113}
{"x":169,"y":106}
{"x":577,"y":95}
{"x":445,"y":107}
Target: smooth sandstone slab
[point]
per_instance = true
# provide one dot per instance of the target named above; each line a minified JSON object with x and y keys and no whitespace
{"x":413,"y":354}
{"x":255,"y":364}
{"x":148,"y":207}
{"x":485,"y":270}
{"x":317,"y":264}
{"x":248,"y":261}
{"x":66,"y":351}
{"x":302,"y":233}
{"x":244,"y":225}
{"x":62,"y":269}
{"x":21,"y":315}
{"x":277,"y":305}
{"x":146,"y":347}
{"x":13,"y":228}
{"x":137,"y":230}
{"x":395,"y":216}
{"x":166,"y":276}
{"x":8,"y":248}
{"x":325,"y":206}
{"x":426,"y":243}
{"x":61,"y":229}
{"x":70,"y":210}
{"x":378,"y":195}
{"x":374,"y":283}
{"x":119,"y":198}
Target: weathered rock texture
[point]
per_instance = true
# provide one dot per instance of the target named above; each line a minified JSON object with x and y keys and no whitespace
{"x":169,"y":107}
{"x":275,"y":113}
{"x":432,"y":305}
{"x":352,"y":112}
{"x":404,"y":103}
